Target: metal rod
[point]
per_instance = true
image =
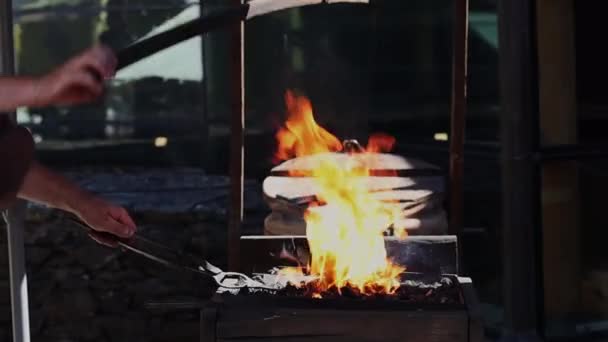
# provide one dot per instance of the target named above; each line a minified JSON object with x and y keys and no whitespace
{"x":237,"y":141}
{"x":18,"y":277}
{"x":458,"y":110}
{"x":205,"y":95}
{"x":196,"y":27}
{"x":521,"y":176}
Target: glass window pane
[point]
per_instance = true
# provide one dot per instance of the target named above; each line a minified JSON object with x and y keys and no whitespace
{"x":482,"y":199}
{"x":575,"y":272}
{"x":152,"y":112}
{"x":482,"y":87}
{"x":386,"y":68}
{"x":573,"y":215}
{"x":591,"y":73}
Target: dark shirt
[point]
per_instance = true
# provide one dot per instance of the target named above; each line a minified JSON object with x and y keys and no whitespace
{"x":5,"y":122}
{"x":16,"y":152}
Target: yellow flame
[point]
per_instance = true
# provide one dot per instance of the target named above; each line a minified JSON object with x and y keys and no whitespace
{"x":345,"y":232}
{"x":301,"y":135}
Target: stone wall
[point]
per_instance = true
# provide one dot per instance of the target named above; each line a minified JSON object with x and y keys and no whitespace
{"x":81,"y":291}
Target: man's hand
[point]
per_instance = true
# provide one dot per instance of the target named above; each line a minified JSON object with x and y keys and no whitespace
{"x":103,"y":216}
{"x":79,"y":80}
{"x":46,"y":187}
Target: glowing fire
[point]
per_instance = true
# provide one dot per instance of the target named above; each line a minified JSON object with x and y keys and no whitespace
{"x":345,"y":232}
{"x":301,"y":135}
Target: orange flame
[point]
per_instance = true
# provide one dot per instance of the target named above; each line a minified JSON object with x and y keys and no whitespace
{"x":301,"y":135}
{"x":345,"y":233}
{"x":380,"y":143}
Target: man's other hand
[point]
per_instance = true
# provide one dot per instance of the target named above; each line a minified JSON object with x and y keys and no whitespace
{"x":79,"y":80}
{"x":103,"y":216}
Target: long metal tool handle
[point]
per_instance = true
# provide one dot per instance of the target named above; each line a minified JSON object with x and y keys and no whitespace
{"x":166,"y":256}
{"x":193,"y":28}
{"x":223,"y":18}
{"x":149,"y":249}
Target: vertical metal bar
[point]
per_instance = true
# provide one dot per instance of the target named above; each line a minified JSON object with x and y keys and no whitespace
{"x":237,"y":140}
{"x":205,"y":139}
{"x":15,"y":216}
{"x":458,"y":111}
{"x":520,"y":175}
{"x":205,"y":92}
{"x":18,"y":277}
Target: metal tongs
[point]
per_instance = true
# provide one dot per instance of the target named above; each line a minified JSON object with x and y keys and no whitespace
{"x":175,"y":259}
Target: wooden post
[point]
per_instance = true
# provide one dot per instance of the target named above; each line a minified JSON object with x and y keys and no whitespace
{"x":458,"y":110}
{"x":237,"y":141}
{"x":521,"y":203}
{"x":560,"y":190}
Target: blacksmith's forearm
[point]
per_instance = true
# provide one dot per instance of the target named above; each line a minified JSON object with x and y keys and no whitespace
{"x":46,"y":187}
{"x":18,"y":92}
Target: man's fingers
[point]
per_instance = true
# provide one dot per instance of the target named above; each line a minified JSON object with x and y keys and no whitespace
{"x":90,"y":64}
{"x":99,"y":59}
{"x":117,"y":228}
{"x":110,"y":59}
{"x":121,"y":215}
{"x":86,"y":81}
{"x":126,"y":219}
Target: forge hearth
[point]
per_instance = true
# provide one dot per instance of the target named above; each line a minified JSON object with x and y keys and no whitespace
{"x":432,"y":304}
{"x":415,"y":314}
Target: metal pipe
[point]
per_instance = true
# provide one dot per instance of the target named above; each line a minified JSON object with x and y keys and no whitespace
{"x":458,"y":111}
{"x":205,"y":95}
{"x":521,"y":176}
{"x":18,"y":278}
{"x":237,"y":142}
{"x":14,"y":217}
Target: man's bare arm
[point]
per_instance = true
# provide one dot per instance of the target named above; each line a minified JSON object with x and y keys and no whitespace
{"x":78,"y":81}
{"x":17,"y":92}
{"x":44,"y":186}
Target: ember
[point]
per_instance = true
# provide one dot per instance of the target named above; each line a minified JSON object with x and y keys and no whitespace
{"x":416,"y":292}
